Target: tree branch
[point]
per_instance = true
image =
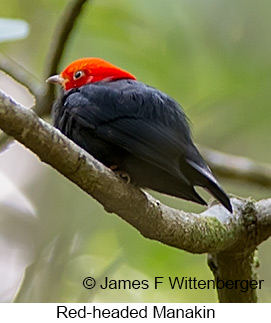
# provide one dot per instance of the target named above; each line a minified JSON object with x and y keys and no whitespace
{"x":237,"y":168}
{"x":230,"y":239}
{"x":63,"y":30}
{"x":19,"y":73}
{"x":44,"y":94}
{"x":235,"y":267}
{"x":214,"y":230}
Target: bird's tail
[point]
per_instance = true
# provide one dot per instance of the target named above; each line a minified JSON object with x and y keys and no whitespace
{"x":201,"y":175}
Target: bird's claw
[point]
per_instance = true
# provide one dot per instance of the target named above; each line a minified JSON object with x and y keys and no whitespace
{"x":121,"y":173}
{"x":124,"y":176}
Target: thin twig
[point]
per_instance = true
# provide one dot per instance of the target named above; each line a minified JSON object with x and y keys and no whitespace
{"x":63,"y":30}
{"x":237,"y":168}
{"x":44,"y":93}
{"x":4,"y":141}
{"x":19,"y":74}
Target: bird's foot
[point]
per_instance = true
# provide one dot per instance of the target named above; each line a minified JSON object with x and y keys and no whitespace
{"x":124,"y":176}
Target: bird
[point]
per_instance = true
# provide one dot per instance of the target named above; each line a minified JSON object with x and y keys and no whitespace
{"x":136,"y":130}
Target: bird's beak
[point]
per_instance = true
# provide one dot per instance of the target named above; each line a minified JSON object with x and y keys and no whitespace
{"x":56,"y":79}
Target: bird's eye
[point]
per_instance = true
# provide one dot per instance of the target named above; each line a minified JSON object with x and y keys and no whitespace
{"x":78,"y":74}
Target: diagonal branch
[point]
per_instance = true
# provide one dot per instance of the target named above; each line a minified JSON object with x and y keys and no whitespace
{"x":214,"y":230}
{"x":44,"y":94}
{"x":237,"y":168}
{"x":19,"y":73}
{"x":63,"y":30}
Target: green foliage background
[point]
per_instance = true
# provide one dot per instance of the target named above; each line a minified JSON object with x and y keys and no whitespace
{"x":211,"y":56}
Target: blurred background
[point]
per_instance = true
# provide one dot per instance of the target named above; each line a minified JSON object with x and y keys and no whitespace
{"x":213,"y":57}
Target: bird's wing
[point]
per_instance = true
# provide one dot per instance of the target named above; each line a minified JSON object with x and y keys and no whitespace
{"x":145,"y":141}
{"x":140,"y":119}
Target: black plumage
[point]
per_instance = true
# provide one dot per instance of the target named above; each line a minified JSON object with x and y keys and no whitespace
{"x":136,"y":129}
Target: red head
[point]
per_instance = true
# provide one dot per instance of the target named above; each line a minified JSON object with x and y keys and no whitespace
{"x":88,"y":70}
